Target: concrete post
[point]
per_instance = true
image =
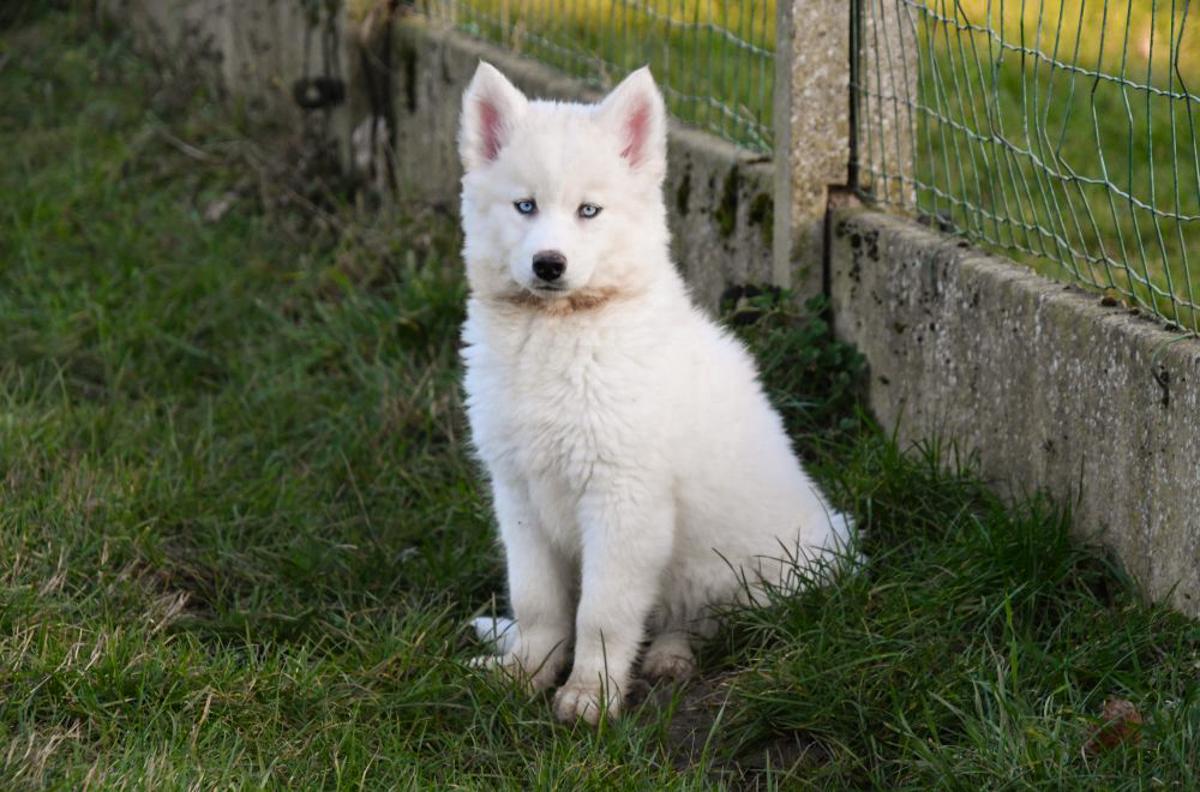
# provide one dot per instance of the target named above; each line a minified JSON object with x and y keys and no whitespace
{"x":812,"y":132}
{"x":812,"y":120}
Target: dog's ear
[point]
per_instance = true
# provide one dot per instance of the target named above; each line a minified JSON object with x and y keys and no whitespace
{"x":491,"y":106}
{"x":635,"y":111}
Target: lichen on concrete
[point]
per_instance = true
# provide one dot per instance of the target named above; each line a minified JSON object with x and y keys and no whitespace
{"x":762,"y":214}
{"x":683,"y":192}
{"x":726,"y":211}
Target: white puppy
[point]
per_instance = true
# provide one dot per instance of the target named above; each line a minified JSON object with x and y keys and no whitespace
{"x":639,"y":474}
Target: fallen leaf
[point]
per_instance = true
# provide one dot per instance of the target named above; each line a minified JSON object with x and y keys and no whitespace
{"x":217,"y":209}
{"x":1121,"y":723}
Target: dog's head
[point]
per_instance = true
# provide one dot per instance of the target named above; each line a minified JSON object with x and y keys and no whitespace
{"x":562,"y":203}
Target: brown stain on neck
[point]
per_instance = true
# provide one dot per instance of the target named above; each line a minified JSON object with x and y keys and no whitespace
{"x":579,"y":301}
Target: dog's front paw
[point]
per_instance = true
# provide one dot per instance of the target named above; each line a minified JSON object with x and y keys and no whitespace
{"x":534,"y":680}
{"x":576,"y":701}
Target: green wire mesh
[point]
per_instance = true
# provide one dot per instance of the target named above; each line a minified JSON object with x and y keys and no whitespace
{"x":714,"y":59}
{"x":1064,"y":133}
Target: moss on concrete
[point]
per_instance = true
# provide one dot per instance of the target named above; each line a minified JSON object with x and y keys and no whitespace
{"x":727,"y":208}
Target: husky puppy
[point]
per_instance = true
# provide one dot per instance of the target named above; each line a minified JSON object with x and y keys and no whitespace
{"x":639,"y":475}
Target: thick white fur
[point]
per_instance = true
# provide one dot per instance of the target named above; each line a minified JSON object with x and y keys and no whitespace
{"x":639,"y":474}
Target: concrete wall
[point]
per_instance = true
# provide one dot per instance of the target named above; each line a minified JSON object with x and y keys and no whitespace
{"x":253,"y":51}
{"x":1049,"y":387}
{"x":719,"y":197}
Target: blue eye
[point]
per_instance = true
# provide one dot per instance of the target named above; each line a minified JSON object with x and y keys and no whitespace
{"x":587,"y":211}
{"x":526,"y":207}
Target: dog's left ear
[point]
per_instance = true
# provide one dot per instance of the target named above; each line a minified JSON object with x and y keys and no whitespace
{"x":635,"y":111}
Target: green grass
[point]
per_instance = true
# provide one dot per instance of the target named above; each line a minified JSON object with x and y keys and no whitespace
{"x":242,"y":530}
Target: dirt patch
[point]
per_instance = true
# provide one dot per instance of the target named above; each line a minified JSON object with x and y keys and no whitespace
{"x":697,"y":713}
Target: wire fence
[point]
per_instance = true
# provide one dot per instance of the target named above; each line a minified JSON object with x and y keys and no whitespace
{"x":714,"y":59}
{"x":1065,"y":133}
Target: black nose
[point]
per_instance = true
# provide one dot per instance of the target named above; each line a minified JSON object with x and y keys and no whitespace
{"x":549,"y":265}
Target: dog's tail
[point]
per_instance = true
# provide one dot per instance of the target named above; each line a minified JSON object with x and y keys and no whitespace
{"x":843,"y":540}
{"x":841,"y":530}
{"x":497,"y":632}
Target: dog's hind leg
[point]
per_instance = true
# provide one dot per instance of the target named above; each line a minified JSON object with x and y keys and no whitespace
{"x":680,"y":620}
{"x":669,"y":656}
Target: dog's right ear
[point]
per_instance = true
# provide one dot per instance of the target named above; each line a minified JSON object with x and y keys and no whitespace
{"x":491,"y":107}
{"x":636,"y":113}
